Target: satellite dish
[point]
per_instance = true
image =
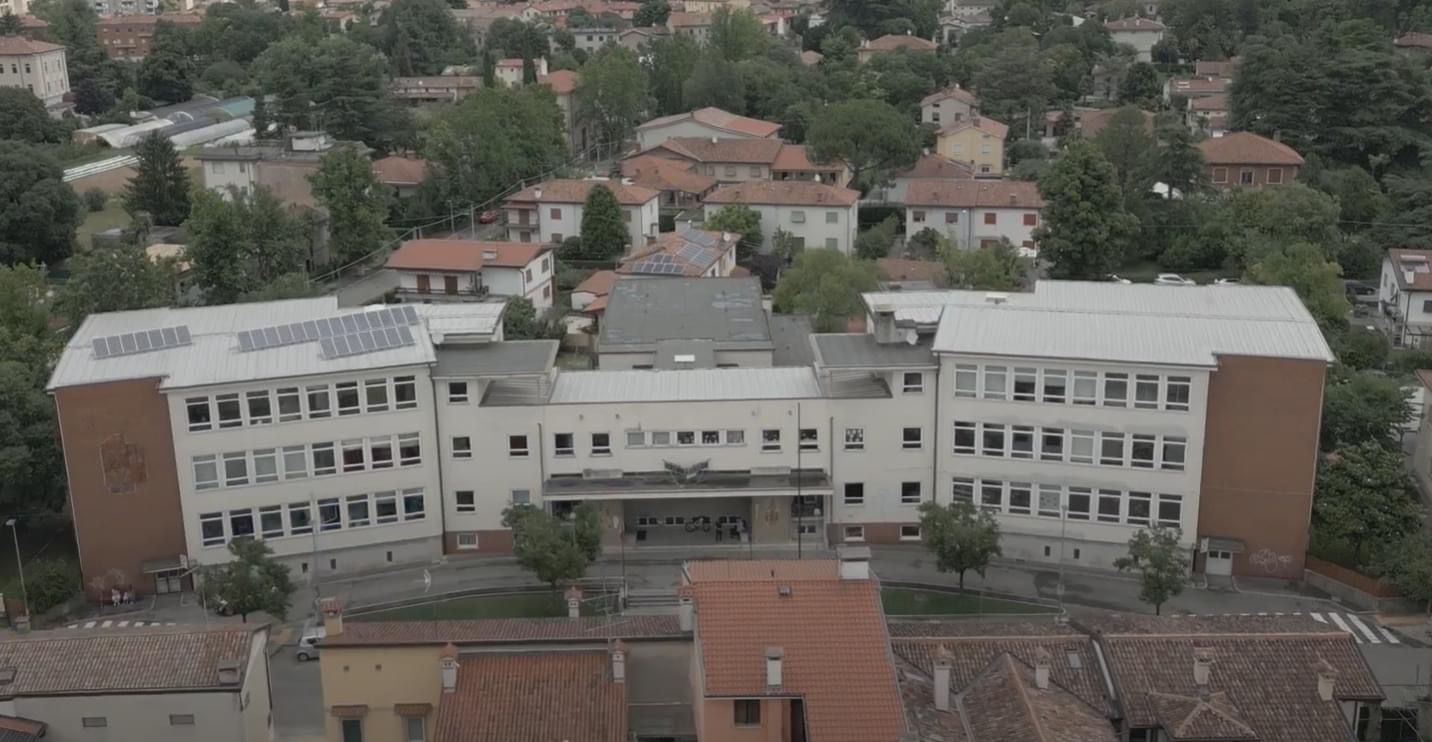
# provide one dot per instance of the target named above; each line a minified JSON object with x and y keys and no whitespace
{"x":911,"y":336}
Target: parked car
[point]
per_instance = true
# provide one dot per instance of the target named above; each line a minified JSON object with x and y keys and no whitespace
{"x":1116,"y":278}
{"x":307,"y":648}
{"x":1227,"y":282}
{"x":489,"y":216}
{"x":1360,"y":293}
{"x":1174,"y":279}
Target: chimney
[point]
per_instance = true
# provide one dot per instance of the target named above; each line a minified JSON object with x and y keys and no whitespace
{"x":774,"y":656}
{"x":229,"y":672}
{"x":449,"y":668}
{"x":713,"y":140}
{"x":619,"y":661}
{"x":686,"y":612}
{"x":537,"y":194}
{"x":331,"y":609}
{"x":1409,"y":276}
{"x":854,"y":562}
{"x":1041,"y":669}
{"x":1202,"y":665}
{"x":574,"y":601}
{"x":942,"y":679}
{"x":1327,"y":680}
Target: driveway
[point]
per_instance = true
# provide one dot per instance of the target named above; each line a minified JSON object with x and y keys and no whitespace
{"x":297,"y":698}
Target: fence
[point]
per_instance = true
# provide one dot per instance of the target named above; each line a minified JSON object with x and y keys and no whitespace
{"x":1354,"y":588}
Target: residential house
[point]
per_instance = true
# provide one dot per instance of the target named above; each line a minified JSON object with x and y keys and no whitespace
{"x":129,"y":35}
{"x":473,"y":270}
{"x":975,"y":213}
{"x":184,"y":284}
{"x":815,"y":215}
{"x":19,"y":8}
{"x":591,"y":39}
{"x":951,"y":105}
{"x":1243,"y":159}
{"x":36,"y":66}
{"x":695,"y":25}
{"x":776,"y":24}
{"x":478,"y":17}
{"x":138,"y":683}
{"x":680,"y":186}
{"x":1209,"y":115}
{"x":281,"y":167}
{"x":930,"y":166}
{"x":1214,"y":69}
{"x":510,"y":72}
{"x":1085,"y":122}
{"x":591,"y":295}
{"x":1404,"y":293}
{"x":1140,"y":33}
{"x":737,"y":160}
{"x":970,"y":7}
{"x":338,"y":21}
{"x":636,"y":38}
{"x":403,"y":174}
{"x":892,"y":42}
{"x":706,"y":123}
{"x":435,"y":89}
{"x":694,"y":253}
{"x":689,"y":322}
{"x":952,"y":27}
{"x":31,"y":27}
{"x":1413,"y":43}
{"x":563,"y":83}
{"x":552,"y":211}
{"x":709,"y":7}
{"x":1420,"y":460}
{"x":978,"y":141}
{"x":1191,"y":88}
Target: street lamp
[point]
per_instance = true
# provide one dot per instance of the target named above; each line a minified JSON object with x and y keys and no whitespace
{"x":19,"y":565}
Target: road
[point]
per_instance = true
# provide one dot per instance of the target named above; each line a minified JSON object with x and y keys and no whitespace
{"x":297,"y":698}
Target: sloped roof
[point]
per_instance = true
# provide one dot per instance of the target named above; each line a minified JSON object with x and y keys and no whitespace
{"x":1247,"y":148}
{"x":702,"y":149}
{"x":932,"y":165}
{"x":662,"y":174}
{"x":562,"y":82}
{"x":907,"y":269}
{"x":974,"y":194}
{"x":1005,"y":703}
{"x":686,"y":252}
{"x":1200,"y":718}
{"x":575,"y":192}
{"x":463,"y":255}
{"x":983,"y":123}
{"x":783,"y":192}
{"x":1135,"y":24}
{"x":93,"y":662}
{"x":954,"y":91}
{"x":796,"y":158}
{"x":717,"y":118}
{"x":1218,"y":102}
{"x":534,"y":697}
{"x":811,"y":57}
{"x":597,"y":284}
{"x":502,"y":631}
{"x":1417,"y":262}
{"x":16,"y":46}
{"x":1414,"y":40}
{"x":395,"y":170}
{"x":890,"y":42}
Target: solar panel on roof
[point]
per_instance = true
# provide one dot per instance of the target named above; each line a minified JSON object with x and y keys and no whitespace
{"x":144,"y":341}
{"x":310,"y":330}
{"x":366,"y":341}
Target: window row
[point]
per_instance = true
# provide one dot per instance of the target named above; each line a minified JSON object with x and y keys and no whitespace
{"x":302,"y":518}
{"x":856,"y":534}
{"x":853,"y":493}
{"x":295,"y":403}
{"x":1062,"y":386}
{"x":1100,"y":505}
{"x":911,"y":439}
{"x":600,"y":444}
{"x":1105,"y":448}
{"x":465,"y":501}
{"x":266,"y":465}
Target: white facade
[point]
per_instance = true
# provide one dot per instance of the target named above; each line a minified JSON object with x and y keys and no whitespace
{"x":945,"y":110}
{"x":592,"y":39}
{"x":532,"y":281}
{"x":226,"y":177}
{"x":556,"y":221}
{"x":974,"y":227}
{"x":37,"y":67}
{"x":1142,"y":40}
{"x":830,"y":226}
{"x":1410,"y":308}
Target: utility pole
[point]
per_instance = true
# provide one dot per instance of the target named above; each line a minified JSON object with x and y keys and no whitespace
{"x":800,"y":505}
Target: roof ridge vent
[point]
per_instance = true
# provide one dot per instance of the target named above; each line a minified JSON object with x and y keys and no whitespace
{"x":996,"y":297}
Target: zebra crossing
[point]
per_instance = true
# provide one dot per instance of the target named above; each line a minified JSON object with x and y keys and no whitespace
{"x":117,"y":624}
{"x":1363,"y":629}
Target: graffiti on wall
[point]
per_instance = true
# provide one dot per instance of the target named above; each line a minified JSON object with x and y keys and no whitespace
{"x":1270,"y":561}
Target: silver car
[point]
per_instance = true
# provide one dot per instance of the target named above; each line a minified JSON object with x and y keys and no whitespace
{"x":1174,"y":279}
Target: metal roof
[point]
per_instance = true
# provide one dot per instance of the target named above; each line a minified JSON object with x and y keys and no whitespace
{"x":510,"y":358}
{"x":1134,"y":323}
{"x":643,"y":311}
{"x":859,"y":350}
{"x":791,"y":335}
{"x":466,"y":318}
{"x":694,"y":385}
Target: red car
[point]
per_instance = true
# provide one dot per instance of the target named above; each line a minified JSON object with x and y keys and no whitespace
{"x":489,"y":216}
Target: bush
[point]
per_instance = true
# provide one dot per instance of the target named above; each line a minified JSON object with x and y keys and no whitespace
{"x":876,"y":242}
{"x":48,"y":582}
{"x":95,"y":199}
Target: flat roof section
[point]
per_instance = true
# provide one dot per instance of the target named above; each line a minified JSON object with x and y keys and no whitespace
{"x":507,"y":358}
{"x":692,"y":385}
{"x":644,"y":311}
{"x":859,"y":350}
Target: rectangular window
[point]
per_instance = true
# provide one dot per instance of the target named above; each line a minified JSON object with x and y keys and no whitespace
{"x":1079,"y":502}
{"x":917,"y":216}
{"x":1051,"y":444}
{"x":771,"y":439}
{"x":810,"y":439}
{"x":461,"y":447}
{"x":967,"y":381}
{"x":211,"y":528}
{"x":1110,"y":502}
{"x":355,"y":455}
{"x":467,"y":540}
{"x":385,"y":507}
{"x":324,"y":462}
{"x":748,"y":713}
{"x":206,"y":472}
{"x":909,"y":493}
{"x":1171,"y":510}
{"x":563,"y":444}
{"x":414,"y":504}
{"x":854,"y":493}
{"x":348,"y":398}
{"x":410,"y":449}
{"x":660,"y":438}
{"x":1026,"y":384}
{"x":1081,"y":446}
{"x":855,"y":533}
{"x":909,"y":533}
{"x":710,"y":437}
{"x":1116,"y":390}
{"x":1273,"y":175}
{"x":380,"y":452}
{"x":236,"y":469}
{"x":181,"y":720}
{"x":962,"y":489}
{"x":319,"y":402}
{"x":466,"y":501}
{"x":94,"y":721}
{"x":995,"y":380}
{"x":375,"y":392}
{"x":797,"y":217}
{"x":1055,"y":385}
{"x":457,"y":392}
{"x":1141,"y":451}
{"x":992,"y":439}
{"x":517,"y":446}
{"x":912,"y":382}
{"x":1021,"y":495}
{"x":1174,"y":450}
{"x":231,"y":415}
{"x":330,"y":514}
{"x":735,"y":437}
{"x":271,"y":521}
{"x":260,"y":408}
{"x":1111,"y":449}
{"x":295,"y":462}
{"x":686,"y":438}
{"x":265,"y":465}
{"x":952,"y":217}
{"x":990,"y":217}
{"x":855,"y":439}
{"x":991,"y":494}
{"x":964,"y":437}
{"x":241,"y":523}
{"x":405,"y":392}
{"x":1176,"y":392}
{"x":521,"y":497}
{"x":832,"y":217}
{"x":351,"y":730}
{"x":1031,"y":220}
{"x":1086,"y":388}
{"x":1139,"y":508}
{"x":912,"y":439}
{"x":1220,"y":175}
{"x":601,"y":444}
{"x":1146,"y":392}
{"x":1049,"y":500}
{"x":755,"y":171}
{"x":635,"y":439}
{"x":1021,"y":442}
{"x":290,"y":404}
{"x":200,"y":416}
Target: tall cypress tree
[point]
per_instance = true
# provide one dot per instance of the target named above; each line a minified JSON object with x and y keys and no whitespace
{"x":604,"y":233}
{"x":160,"y":186}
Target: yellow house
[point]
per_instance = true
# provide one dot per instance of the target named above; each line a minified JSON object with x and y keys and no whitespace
{"x":978,"y":142}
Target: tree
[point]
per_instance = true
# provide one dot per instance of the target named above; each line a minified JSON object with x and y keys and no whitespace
{"x":1317,"y":280}
{"x":1126,"y":144}
{"x":784,"y":245}
{"x":1014,"y":83}
{"x":357,"y":203}
{"x":870,"y":136}
{"x":1364,"y":497}
{"x":499,"y":136}
{"x":1364,"y":408}
{"x":515,"y":38}
{"x":739,"y":219}
{"x":714,"y":82}
{"x":551,"y":549}
{"x":604,"y":232}
{"x":167,"y":72}
{"x":252,"y":581}
{"x":994,"y":268}
{"x":38,"y":212}
{"x":1162,"y":563}
{"x":421,"y":37}
{"x":737,"y":34}
{"x":652,"y":13}
{"x":670,"y":62}
{"x":1140,"y":86}
{"x":961,"y":536}
{"x":23,"y":118}
{"x":10,"y":24}
{"x":338,"y":85}
{"x":91,"y":97}
{"x":242,"y":244}
{"x":115,"y":278}
{"x":1360,"y":348}
{"x":875,"y":242}
{"x":1407,"y":566}
{"x":1178,"y":161}
{"x":1085,"y":230}
{"x":287,"y":286}
{"x":826,"y":285}
{"x":520,"y":322}
{"x":32,"y":477}
{"x":611,"y":95}
{"x":160,"y":186}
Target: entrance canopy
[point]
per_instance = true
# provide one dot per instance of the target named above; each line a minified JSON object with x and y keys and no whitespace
{"x":667,"y":484}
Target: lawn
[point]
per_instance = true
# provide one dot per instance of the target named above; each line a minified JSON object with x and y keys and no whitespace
{"x":113,"y":215}
{"x":903,"y":602}
{"x":537,"y":605}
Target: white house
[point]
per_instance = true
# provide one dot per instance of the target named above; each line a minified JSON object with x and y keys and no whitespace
{"x":591,"y":39}
{"x":706,"y":123}
{"x":930,"y":166}
{"x":1140,"y":33}
{"x":947,"y":106}
{"x":36,"y":66}
{"x":1404,"y":292}
{"x":974,"y":213}
{"x":552,"y":211}
{"x":686,"y":252}
{"x":509,"y":71}
{"x":815,"y":214}
{"x":473,"y":270}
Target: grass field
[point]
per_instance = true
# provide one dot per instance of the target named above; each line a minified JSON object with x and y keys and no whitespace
{"x":111,"y":216}
{"x":903,"y":602}
{"x":540,"y":605}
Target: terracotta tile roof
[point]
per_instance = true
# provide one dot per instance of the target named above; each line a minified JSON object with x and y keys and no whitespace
{"x":1073,"y":662}
{"x":395,"y":170}
{"x":917,"y":692}
{"x":1196,"y":86}
{"x":796,"y":158}
{"x":1216,"y":67}
{"x":562,"y":82}
{"x":1417,"y":262}
{"x":719,"y":119}
{"x":983,"y":123}
{"x":510,"y":62}
{"x":597,"y":284}
{"x":688,"y":20}
{"x":31,"y":22}
{"x":1218,"y":102}
{"x":1091,"y":121}
{"x":931,"y":165}
{"x":533,"y":698}
{"x":502,"y":631}
{"x":1414,"y":40}
{"x":1199,"y":718}
{"x":744,"y":151}
{"x":811,"y":58}
{"x":662,"y":174}
{"x":89,"y":661}
{"x":598,"y":305}
{"x":692,"y":252}
{"x":973,"y":194}
{"x":1247,"y":148}
{"x":19,"y":46}
{"x":1135,"y":24}
{"x":575,"y":192}
{"x":956,"y":92}
{"x":183,"y":19}
{"x":890,"y":42}
{"x":18,"y":729}
{"x":463,"y":255}
{"x":1005,"y":703}
{"x":832,"y":634}
{"x":783,"y":192}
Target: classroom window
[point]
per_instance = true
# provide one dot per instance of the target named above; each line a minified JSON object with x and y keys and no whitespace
{"x":405,"y":392}
{"x":660,"y":438}
{"x":206,"y":472}
{"x":854,"y":493}
{"x":521,"y":497}
{"x":992,"y":439}
{"x":735,"y":437}
{"x":410,"y":450}
{"x":380,"y":452}
{"x":1170,"y":510}
{"x":1055,"y":385}
{"x":854,"y":533}
{"x":912,"y":382}
{"x":967,"y":381}
{"x":995,"y":380}
{"x":1116,"y":390}
{"x":1176,"y":392}
{"x":375,"y":393}
{"x":962,"y":489}
{"x":241,"y":523}
{"x":563,"y":444}
{"x":909,"y":533}
{"x":909,"y":493}
{"x":810,"y":439}
{"x":1049,"y":500}
{"x":1021,"y":442}
{"x":635,"y":439}
{"x":355,"y":455}
{"x":385,"y":507}
{"x":1051,"y":444}
{"x":457,"y":392}
{"x":260,"y":407}
{"x":1139,"y":508}
{"x":1174,"y":450}
{"x":912,"y":439}
{"x":290,"y":404}
{"x":1020,"y":498}
{"x":211,"y":528}
{"x":461,"y":447}
{"x":330,"y":514}
{"x":324,"y":460}
{"x":319,"y":402}
{"x":236,"y":469}
{"x":200,"y":415}
{"x":991,"y":494}
{"x":265,"y":465}
{"x":771,"y":439}
{"x":601,"y":444}
{"x":710,"y":437}
{"x":466,"y":501}
{"x":855,"y":439}
{"x":414,"y":504}
{"x":1111,"y":449}
{"x":231,"y":415}
{"x":685,"y":437}
{"x":1141,"y":451}
{"x":1081,"y":446}
{"x":348,"y":403}
{"x":1026,"y":384}
{"x":964,"y":437}
{"x":1086,"y":388}
{"x":1110,"y":502}
{"x":295,"y":462}
{"x":1080,"y":499}
{"x":517,"y":446}
{"x":271,"y":521}
{"x":1146,"y":392}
